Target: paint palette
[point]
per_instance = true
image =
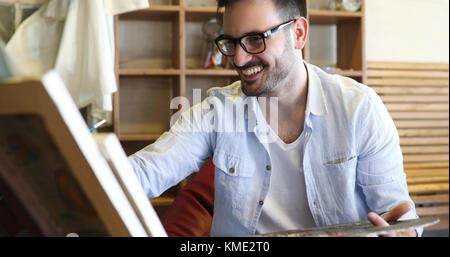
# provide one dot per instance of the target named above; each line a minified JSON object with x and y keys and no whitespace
{"x":356,"y":229}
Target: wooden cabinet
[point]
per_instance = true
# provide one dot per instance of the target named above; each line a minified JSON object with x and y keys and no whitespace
{"x":159,"y":56}
{"x":349,"y":40}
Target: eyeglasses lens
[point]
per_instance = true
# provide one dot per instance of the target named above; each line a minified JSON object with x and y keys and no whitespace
{"x":252,"y":44}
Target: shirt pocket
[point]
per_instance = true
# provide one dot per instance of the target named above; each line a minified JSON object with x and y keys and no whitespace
{"x":232,"y":165}
{"x":337,"y":180}
{"x":339,"y":162}
{"x":233,"y":181}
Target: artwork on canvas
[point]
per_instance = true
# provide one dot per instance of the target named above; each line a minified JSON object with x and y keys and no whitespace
{"x":28,"y":153}
{"x":57,"y":177}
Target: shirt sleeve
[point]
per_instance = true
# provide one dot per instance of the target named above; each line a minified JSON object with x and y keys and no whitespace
{"x":175,"y":155}
{"x":380,"y":173}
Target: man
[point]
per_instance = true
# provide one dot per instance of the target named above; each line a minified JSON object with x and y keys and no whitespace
{"x":331,"y":157}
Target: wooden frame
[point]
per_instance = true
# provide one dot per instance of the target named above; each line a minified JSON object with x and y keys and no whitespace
{"x":54,"y":172}
{"x":351,"y":56}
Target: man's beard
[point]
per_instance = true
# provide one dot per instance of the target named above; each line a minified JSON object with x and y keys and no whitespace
{"x":274,"y":77}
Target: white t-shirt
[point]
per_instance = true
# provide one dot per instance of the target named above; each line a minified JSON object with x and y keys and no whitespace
{"x":286,"y":205}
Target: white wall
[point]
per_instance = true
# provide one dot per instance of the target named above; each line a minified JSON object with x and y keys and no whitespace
{"x":407,"y":30}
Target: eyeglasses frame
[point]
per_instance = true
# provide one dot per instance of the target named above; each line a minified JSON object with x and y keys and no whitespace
{"x":263,"y":35}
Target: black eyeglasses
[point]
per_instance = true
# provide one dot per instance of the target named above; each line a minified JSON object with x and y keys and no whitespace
{"x":253,"y":43}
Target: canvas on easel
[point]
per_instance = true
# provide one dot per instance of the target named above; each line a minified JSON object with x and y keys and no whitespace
{"x":54,"y":172}
{"x":115,"y":156}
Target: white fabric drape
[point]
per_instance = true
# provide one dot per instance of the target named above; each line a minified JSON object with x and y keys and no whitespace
{"x":74,"y":37}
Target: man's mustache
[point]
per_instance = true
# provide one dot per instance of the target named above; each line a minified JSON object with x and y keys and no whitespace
{"x":249,"y":65}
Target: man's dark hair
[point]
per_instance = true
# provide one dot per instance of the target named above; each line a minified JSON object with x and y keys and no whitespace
{"x":288,"y":9}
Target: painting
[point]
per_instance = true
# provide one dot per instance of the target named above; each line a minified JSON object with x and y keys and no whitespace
{"x":33,"y":158}
{"x":55,"y":177}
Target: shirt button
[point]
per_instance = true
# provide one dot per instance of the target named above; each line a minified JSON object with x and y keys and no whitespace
{"x":268,"y":167}
{"x":231,"y":170}
{"x":261,"y":202}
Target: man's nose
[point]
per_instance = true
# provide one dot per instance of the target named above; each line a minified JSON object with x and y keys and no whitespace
{"x":241,"y":57}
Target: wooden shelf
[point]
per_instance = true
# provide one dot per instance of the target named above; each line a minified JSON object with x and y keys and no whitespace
{"x":211,"y":72}
{"x":202,"y":9}
{"x":139,"y":137}
{"x":156,"y":12}
{"x":152,"y":65}
{"x":148,"y":72}
{"x":164,"y":12}
{"x":175,"y":72}
{"x":332,"y":17}
{"x":201,"y":13}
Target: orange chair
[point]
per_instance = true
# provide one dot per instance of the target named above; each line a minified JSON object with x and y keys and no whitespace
{"x":190,"y":215}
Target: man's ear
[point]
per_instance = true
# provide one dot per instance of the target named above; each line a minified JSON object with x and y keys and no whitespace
{"x":301,"y":27}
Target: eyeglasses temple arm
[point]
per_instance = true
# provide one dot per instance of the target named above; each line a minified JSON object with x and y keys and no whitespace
{"x":270,"y":32}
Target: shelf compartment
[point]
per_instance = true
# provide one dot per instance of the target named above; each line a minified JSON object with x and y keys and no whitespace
{"x":197,"y":45}
{"x":153,"y":13}
{"x":145,"y":104}
{"x":338,"y":46}
{"x":332,"y":17}
{"x":324,"y":40}
{"x":350,"y":46}
{"x":139,"y":53}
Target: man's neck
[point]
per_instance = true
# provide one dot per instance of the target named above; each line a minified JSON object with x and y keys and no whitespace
{"x":292,"y":94}
{"x":292,"y":91}
{"x":292,"y":97}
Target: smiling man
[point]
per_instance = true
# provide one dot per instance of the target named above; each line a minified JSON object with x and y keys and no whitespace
{"x":335,"y":155}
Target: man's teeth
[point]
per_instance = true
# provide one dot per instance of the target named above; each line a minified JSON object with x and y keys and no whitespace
{"x":252,"y":71}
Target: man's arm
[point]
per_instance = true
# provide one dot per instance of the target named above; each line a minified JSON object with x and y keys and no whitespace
{"x":380,"y":172}
{"x":175,"y":155}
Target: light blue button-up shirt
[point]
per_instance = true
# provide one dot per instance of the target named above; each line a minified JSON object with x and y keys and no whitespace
{"x":352,"y":161}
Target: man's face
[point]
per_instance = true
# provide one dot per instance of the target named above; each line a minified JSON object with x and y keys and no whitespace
{"x":260,"y":73}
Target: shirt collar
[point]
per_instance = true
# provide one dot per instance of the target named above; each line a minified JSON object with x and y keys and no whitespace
{"x":315,"y":102}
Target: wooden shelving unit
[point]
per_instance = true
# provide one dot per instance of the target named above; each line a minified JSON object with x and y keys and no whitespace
{"x":148,"y":72}
{"x":158,"y":57}
{"x":350,"y":27}
{"x":333,"y":17}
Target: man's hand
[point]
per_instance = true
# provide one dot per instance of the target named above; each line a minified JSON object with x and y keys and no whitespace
{"x":397,"y":212}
